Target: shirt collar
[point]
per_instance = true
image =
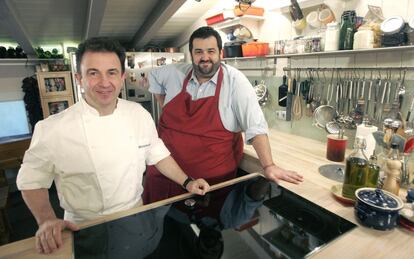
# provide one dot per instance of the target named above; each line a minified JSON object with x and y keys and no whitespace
{"x":91,"y":110}
{"x":214,"y":79}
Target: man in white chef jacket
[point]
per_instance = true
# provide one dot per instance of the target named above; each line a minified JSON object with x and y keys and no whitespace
{"x":96,"y":151}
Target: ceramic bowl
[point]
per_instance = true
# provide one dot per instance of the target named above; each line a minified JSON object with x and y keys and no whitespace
{"x":377,"y":208}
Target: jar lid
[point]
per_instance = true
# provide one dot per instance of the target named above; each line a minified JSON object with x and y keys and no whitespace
{"x":379,"y":198}
{"x":332,"y":24}
{"x":392,"y":25}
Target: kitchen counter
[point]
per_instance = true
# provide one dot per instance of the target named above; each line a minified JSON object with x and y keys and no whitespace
{"x":304,"y":156}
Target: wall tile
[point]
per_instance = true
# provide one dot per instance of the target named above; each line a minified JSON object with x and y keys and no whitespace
{"x":386,"y":59}
{"x":391,"y":8}
{"x":297,"y":62}
{"x":410,"y":8}
{"x":366,"y":60}
{"x":327,"y":61}
{"x":311,"y":61}
{"x":408,"y":61}
{"x":345,"y":61}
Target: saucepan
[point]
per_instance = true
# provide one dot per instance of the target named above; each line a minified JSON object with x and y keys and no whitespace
{"x":378,"y":209}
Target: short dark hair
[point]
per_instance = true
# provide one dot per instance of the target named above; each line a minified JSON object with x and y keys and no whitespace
{"x":203,"y":33}
{"x":100,"y":44}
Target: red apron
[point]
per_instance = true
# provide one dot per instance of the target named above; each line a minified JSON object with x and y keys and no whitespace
{"x":199,"y":143}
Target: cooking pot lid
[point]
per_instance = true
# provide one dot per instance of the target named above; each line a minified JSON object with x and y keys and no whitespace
{"x":392,"y":25}
{"x":234,"y":43}
{"x":379,"y":198}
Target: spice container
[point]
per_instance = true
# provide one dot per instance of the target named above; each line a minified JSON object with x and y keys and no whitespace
{"x":316,"y":44}
{"x":332,"y":37}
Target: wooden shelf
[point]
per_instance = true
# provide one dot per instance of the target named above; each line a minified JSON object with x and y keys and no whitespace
{"x":328,"y":53}
{"x":26,"y":61}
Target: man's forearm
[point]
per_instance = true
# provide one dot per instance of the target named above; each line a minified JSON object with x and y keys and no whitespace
{"x":171,"y":170}
{"x":39,"y":204}
{"x":262,"y":147}
{"x":160,"y":99}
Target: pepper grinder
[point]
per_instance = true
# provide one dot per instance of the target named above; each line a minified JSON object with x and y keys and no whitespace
{"x":393,"y":171}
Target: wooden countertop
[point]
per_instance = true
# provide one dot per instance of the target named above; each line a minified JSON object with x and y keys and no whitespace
{"x":304,"y":156}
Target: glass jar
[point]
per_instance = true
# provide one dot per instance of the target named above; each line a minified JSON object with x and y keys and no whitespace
{"x":290,"y":47}
{"x":356,"y":169}
{"x":308,"y":45}
{"x":364,"y":38}
{"x":332,"y":37}
{"x":316,"y":44}
{"x":346,"y":33}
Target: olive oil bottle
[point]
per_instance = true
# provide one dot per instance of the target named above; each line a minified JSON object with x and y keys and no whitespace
{"x":356,"y":169}
{"x":373,"y":172}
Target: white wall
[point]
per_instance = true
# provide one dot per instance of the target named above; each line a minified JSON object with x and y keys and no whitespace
{"x":11,"y":77}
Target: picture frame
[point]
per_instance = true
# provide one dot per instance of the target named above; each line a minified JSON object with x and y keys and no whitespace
{"x":55,"y":105}
{"x":55,"y":84}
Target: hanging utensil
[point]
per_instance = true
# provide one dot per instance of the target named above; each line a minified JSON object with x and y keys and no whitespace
{"x":283,"y":90}
{"x":297,"y":103}
{"x":401,"y":90}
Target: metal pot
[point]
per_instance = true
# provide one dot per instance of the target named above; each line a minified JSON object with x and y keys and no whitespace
{"x":376,"y":208}
{"x":233,"y":49}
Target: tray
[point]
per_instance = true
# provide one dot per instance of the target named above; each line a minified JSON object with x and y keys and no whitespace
{"x":336,"y":191}
{"x":407,"y":224}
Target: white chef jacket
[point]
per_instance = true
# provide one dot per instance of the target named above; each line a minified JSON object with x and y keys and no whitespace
{"x":97,"y":162}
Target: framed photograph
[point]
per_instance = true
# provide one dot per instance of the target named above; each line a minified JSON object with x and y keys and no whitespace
{"x":55,"y":105}
{"x":54,"y":83}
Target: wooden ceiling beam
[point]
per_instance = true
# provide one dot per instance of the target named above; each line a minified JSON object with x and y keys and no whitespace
{"x":96,"y":11}
{"x":155,"y":20}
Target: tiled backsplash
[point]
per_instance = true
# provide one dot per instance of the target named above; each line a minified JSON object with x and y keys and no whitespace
{"x":305,"y":126}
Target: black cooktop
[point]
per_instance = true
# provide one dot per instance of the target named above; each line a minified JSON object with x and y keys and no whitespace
{"x":191,"y":228}
{"x":200,"y":227}
{"x":303,"y":227}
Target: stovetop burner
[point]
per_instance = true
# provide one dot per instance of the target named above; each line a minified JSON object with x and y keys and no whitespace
{"x":305,"y":226}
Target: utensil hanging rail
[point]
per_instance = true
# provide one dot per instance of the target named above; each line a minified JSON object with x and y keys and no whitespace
{"x":344,"y":68}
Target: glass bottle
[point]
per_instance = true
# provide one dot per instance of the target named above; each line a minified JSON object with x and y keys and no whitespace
{"x":373,"y":172}
{"x":332,"y":36}
{"x":346,"y":33}
{"x":356,"y":169}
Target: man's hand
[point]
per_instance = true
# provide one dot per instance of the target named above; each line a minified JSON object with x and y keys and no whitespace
{"x":199,"y":186}
{"x":49,"y":235}
{"x":276,"y":174}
